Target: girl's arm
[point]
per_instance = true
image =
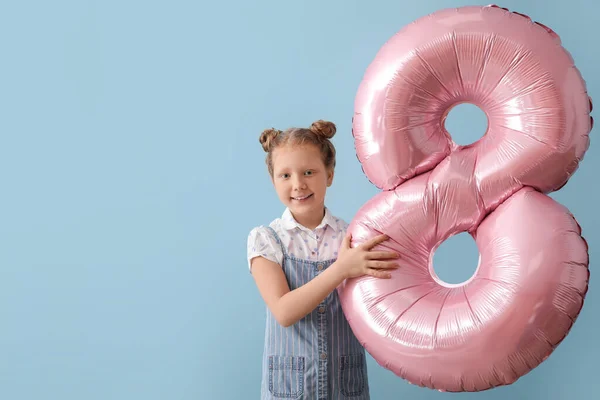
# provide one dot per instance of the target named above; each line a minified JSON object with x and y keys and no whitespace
{"x":289,"y":307}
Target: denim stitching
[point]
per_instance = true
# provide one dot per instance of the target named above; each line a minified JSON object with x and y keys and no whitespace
{"x":294,"y":363}
{"x":347,"y":365}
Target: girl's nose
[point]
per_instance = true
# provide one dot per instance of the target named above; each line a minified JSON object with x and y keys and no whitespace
{"x":299,"y":183}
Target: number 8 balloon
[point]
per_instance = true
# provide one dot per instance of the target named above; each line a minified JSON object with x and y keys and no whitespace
{"x":530,"y":284}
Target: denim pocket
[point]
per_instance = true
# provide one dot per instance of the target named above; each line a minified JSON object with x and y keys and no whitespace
{"x":286,"y":376}
{"x":352,"y":375}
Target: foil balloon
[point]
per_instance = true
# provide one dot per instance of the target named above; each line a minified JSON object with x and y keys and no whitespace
{"x":532,"y":278}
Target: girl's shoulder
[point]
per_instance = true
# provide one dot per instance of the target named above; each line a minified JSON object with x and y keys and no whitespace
{"x":265,"y":228}
{"x":262,"y":242}
{"x":342,"y":224}
{"x":265,"y":232}
{"x":337,"y":222}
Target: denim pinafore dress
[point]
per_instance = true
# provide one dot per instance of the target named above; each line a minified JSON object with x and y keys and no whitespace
{"x":318,"y":358}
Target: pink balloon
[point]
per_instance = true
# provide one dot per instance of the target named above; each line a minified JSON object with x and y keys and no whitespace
{"x":533,"y":273}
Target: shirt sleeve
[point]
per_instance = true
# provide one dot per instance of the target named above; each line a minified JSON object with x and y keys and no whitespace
{"x":261,"y":243}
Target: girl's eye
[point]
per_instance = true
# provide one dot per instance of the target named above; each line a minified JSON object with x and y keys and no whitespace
{"x":308,"y":173}
{"x":285,"y":176}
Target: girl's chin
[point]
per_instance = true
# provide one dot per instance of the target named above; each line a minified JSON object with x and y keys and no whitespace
{"x":306,"y":209}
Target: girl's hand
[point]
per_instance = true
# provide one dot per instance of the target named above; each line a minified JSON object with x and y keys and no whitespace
{"x":361,"y":260}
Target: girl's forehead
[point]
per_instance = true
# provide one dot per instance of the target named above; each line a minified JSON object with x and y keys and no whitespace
{"x":296,"y":156}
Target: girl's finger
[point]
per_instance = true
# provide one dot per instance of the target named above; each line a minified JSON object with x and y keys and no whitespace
{"x":383,"y":265}
{"x":382,"y":255}
{"x":368,"y":245}
{"x":379,"y":273}
{"x":346,"y":241}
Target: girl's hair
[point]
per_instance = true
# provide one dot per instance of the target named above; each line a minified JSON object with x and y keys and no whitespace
{"x":317,"y":134}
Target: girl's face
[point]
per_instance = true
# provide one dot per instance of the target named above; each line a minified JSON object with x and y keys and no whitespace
{"x":301,"y":180}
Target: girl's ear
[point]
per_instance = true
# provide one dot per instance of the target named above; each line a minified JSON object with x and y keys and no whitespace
{"x":330,"y":174}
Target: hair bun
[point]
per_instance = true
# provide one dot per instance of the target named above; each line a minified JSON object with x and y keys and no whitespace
{"x":266,"y":138}
{"x":322,"y":128}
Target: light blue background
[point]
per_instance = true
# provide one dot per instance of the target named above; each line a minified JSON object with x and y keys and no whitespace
{"x":131,"y":174}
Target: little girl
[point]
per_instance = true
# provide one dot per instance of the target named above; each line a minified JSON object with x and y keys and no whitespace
{"x":310,"y":351}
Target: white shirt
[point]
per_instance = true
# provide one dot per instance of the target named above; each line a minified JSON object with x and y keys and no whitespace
{"x":320,"y":244}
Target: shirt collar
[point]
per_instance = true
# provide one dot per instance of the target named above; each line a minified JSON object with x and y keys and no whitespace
{"x":289,"y":223}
